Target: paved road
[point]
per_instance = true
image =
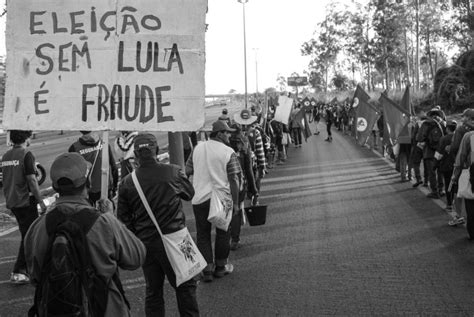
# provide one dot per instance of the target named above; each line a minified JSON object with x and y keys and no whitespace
{"x":343,"y":238}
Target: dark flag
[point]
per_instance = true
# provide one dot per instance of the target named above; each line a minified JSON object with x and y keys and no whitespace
{"x":406,"y":101}
{"x":396,"y":118}
{"x":359,"y":95}
{"x":367,"y":116}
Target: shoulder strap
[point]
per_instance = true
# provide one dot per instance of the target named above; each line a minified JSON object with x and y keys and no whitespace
{"x":472,"y":147}
{"x":145,"y":202}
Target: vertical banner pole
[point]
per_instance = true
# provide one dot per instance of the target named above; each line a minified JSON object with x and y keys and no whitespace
{"x":175,"y":148}
{"x":104,"y":189}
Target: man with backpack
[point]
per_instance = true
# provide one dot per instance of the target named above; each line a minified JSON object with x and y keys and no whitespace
{"x":22,"y":194}
{"x":428,"y":137}
{"x":73,"y":252}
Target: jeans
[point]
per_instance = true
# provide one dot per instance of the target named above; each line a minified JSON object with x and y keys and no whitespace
{"x":435,"y":177}
{"x":155,"y":268}
{"x":235,"y":226}
{"x":449,"y":194}
{"x":204,"y":243}
{"x":25,"y":217}
{"x":296,"y":135}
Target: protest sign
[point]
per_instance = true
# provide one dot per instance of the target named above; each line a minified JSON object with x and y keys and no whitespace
{"x":282,"y":112}
{"x":105,"y":65}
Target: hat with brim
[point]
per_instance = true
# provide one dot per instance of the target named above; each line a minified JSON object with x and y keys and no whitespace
{"x":468,"y":113}
{"x":244,"y":117}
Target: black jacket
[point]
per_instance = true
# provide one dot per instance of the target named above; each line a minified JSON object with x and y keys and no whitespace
{"x":164,"y":186}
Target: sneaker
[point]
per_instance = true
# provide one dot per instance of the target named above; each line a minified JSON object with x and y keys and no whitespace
{"x":19,"y":278}
{"x":442,"y":193}
{"x":327,"y":140}
{"x":433,"y":195}
{"x":222,"y":271}
{"x":449,"y":208}
{"x":418,"y":183}
{"x":207,"y":277}
{"x":456,"y":221}
{"x":234,"y":245}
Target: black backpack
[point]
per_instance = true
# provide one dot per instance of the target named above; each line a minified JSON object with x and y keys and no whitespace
{"x":434,"y":135}
{"x":69,"y":285}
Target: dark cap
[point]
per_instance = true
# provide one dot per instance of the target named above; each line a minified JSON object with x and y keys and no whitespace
{"x":469,"y":112}
{"x":70,"y":166}
{"x":145,"y":141}
{"x":220,"y":125}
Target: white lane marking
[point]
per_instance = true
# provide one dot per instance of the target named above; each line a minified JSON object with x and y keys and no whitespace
{"x":8,"y":231}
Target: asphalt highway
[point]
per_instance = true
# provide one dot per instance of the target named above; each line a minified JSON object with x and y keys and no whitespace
{"x":343,"y":237}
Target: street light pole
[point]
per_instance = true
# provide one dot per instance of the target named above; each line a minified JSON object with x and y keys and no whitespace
{"x":245,"y":50}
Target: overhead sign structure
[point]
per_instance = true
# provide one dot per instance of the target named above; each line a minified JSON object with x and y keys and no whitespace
{"x":297,"y":81}
{"x":105,"y":65}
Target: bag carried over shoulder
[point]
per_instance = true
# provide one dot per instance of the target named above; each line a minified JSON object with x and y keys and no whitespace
{"x":220,"y":210}
{"x":464,"y":183}
{"x":182,"y":252}
{"x":69,"y":285}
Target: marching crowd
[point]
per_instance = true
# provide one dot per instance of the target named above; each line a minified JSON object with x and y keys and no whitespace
{"x":72,"y":251}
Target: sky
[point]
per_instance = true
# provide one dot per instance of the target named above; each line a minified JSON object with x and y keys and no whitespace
{"x":275,"y":31}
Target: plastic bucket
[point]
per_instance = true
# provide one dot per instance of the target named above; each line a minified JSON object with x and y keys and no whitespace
{"x":256,"y":215}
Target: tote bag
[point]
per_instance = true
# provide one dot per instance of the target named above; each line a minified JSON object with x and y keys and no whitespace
{"x":220,"y":210}
{"x":182,"y":252}
{"x":464,"y":184}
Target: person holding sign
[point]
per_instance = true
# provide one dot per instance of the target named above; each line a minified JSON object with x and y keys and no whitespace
{"x":90,"y":147}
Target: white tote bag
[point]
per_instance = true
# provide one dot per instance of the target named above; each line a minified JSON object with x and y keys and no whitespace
{"x":220,"y":210}
{"x":182,"y":252}
{"x":464,"y":185}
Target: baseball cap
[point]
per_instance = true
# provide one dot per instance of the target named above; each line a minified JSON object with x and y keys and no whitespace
{"x":469,"y":112}
{"x":145,"y":141}
{"x":220,"y":125}
{"x":70,"y":166}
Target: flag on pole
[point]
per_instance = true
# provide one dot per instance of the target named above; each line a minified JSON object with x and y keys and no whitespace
{"x":366,"y":118}
{"x":406,"y":104}
{"x":396,"y":118}
{"x":300,"y":116}
{"x":359,"y":95}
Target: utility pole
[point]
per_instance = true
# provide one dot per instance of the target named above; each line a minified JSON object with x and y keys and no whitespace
{"x":417,"y":61}
{"x":256,"y":70}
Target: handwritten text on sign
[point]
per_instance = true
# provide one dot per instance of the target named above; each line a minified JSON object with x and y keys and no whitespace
{"x":105,"y":65}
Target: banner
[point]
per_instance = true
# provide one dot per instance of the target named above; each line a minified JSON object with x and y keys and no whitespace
{"x":406,"y":104}
{"x":105,"y":65}
{"x":396,"y":118}
{"x":282,"y":112}
{"x":359,"y":95}
{"x":367,"y":116}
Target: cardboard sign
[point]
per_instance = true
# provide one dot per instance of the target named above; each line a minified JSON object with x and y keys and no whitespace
{"x":105,"y":65}
{"x":282,"y":112}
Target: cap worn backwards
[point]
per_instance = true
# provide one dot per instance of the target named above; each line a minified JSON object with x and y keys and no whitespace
{"x":145,"y":141}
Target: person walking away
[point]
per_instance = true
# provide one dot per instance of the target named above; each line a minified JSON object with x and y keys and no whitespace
{"x":100,"y":243}
{"x":464,"y":161}
{"x":316,"y":119}
{"x":123,"y":146}
{"x":404,"y":139}
{"x":214,"y":164}
{"x":466,"y":126}
{"x":428,"y":137}
{"x":446,"y":166}
{"x":247,"y":185}
{"x":164,"y":185}
{"x":22,"y":194}
{"x":90,"y":147}
{"x":296,"y":127}
{"x":329,"y":122}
